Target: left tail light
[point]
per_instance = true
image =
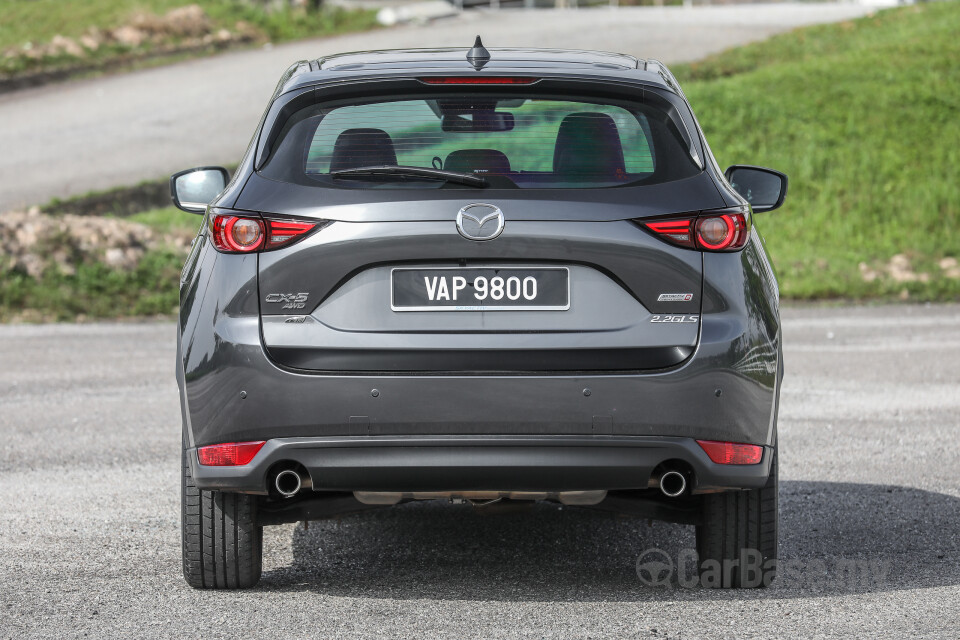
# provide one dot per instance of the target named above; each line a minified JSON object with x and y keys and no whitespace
{"x":713,"y":230}
{"x":246,"y":232}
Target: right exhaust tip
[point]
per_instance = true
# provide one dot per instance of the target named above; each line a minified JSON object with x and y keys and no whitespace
{"x":673,"y":484}
{"x":288,"y":483}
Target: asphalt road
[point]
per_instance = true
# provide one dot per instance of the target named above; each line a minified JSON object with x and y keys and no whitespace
{"x":90,"y":538}
{"x":70,"y":138}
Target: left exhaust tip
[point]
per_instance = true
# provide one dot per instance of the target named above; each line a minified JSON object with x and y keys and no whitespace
{"x":288,"y":483}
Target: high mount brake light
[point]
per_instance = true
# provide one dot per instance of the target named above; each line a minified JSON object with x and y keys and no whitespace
{"x":722,"y":230}
{"x":245,"y":232}
{"x":229,"y":454}
{"x":477,"y":80}
{"x":731,"y":452}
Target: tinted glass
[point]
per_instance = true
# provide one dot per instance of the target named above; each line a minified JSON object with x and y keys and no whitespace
{"x":514,"y":142}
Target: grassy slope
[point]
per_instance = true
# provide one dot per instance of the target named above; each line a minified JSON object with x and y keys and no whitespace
{"x":99,"y":291}
{"x":38,"y":21}
{"x":864,"y":117}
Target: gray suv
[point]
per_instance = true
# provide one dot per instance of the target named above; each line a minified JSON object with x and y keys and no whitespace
{"x":478,"y":275}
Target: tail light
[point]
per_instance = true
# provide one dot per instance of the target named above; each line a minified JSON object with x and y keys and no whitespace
{"x":731,"y":452}
{"x":245,"y":232}
{"x":718,"y":230}
{"x":229,"y":454}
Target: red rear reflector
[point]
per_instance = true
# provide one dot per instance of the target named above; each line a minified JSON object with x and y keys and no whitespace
{"x":281,"y":232}
{"x":731,"y":452}
{"x":477,"y":80}
{"x":229,"y":454}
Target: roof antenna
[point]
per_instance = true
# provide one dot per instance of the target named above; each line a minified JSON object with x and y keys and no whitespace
{"x":478,"y":56}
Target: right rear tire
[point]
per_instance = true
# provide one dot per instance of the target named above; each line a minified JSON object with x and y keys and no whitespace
{"x":737,"y":542}
{"x":222,"y":542}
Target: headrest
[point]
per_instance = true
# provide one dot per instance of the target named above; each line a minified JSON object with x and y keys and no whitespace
{"x":489,"y":161}
{"x":588,"y":145}
{"x":356,"y":148}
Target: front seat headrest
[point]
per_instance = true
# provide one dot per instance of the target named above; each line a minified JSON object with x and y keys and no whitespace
{"x":588,"y":145}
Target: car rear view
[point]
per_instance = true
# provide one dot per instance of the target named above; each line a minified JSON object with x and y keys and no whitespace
{"x":478,"y":276}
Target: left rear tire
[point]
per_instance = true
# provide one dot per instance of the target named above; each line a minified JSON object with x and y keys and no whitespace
{"x":222,"y":542}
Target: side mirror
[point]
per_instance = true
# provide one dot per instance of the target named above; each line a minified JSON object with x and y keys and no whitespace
{"x":192,"y":190}
{"x":764,"y":189}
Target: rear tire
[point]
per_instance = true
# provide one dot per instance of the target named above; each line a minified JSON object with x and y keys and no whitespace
{"x":222,"y":543}
{"x":737,"y":542}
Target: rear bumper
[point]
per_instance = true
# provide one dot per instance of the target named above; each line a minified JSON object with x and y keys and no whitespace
{"x":480,"y":463}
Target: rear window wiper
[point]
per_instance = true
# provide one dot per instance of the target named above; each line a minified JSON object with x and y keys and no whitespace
{"x":413,"y":172}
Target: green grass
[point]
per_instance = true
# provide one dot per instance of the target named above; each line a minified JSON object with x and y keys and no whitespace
{"x":38,"y":21}
{"x":864,"y":117}
{"x":96,"y":290}
{"x":168,"y":219}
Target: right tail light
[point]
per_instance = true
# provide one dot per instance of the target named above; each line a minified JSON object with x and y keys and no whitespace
{"x":714,"y":230}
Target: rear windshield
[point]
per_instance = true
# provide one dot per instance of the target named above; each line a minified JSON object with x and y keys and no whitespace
{"x":512,"y":142}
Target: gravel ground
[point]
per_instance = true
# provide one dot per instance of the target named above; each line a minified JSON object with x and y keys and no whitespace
{"x":90,"y":539}
{"x":69,"y":138}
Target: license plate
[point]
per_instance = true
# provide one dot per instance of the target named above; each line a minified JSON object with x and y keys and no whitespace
{"x":481,"y":289}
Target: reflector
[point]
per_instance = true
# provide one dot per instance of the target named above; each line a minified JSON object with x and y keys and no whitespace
{"x":229,"y":454}
{"x":731,"y":452}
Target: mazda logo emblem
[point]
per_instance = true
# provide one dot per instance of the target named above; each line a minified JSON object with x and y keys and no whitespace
{"x":480,"y":221}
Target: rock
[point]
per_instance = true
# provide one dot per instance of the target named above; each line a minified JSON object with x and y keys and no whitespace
{"x":868,"y":274}
{"x":92,"y":39}
{"x":31,"y":242}
{"x":128,"y":36}
{"x":148,"y":23}
{"x":950,"y":267}
{"x":89,"y":43}
{"x":190,"y":20}
{"x":900,"y":269}
{"x":114,"y":257}
{"x":60,"y":44}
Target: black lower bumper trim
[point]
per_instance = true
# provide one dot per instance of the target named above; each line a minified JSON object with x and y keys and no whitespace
{"x":480,"y":463}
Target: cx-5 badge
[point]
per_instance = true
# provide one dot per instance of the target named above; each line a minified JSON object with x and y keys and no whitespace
{"x":480,"y":221}
{"x":289,"y":300}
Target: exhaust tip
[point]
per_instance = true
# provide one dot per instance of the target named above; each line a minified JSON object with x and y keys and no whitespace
{"x":288,"y":483}
{"x":673,"y":484}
